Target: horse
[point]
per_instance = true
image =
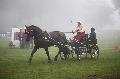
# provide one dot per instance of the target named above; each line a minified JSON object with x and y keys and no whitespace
{"x":43,"y":39}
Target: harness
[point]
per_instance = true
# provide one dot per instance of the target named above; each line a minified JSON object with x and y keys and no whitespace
{"x":48,"y":38}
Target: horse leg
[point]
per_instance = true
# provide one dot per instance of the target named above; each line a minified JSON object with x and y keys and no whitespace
{"x":47,"y":52}
{"x":65,"y":56}
{"x":59,"y":52}
{"x":61,"y":56}
{"x":33,"y":51}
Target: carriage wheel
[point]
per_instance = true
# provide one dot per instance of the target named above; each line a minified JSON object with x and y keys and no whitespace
{"x":81,"y":51}
{"x":95,"y":51}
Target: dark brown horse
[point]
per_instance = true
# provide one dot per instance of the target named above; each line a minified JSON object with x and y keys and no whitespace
{"x":42,"y":39}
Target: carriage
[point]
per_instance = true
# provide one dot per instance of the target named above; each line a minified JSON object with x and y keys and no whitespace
{"x":84,"y":47}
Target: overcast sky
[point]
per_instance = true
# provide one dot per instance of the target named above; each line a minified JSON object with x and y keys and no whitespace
{"x":59,"y":14}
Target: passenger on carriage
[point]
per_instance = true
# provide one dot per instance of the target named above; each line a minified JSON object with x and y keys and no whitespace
{"x":80,"y":30}
{"x":92,"y":37}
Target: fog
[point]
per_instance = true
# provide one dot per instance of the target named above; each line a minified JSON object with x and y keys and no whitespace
{"x":60,"y":14}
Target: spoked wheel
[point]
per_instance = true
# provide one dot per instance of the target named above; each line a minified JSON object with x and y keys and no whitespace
{"x":95,"y":51}
{"x":80,"y":52}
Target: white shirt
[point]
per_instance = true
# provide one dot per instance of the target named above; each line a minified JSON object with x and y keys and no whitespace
{"x":79,"y":29}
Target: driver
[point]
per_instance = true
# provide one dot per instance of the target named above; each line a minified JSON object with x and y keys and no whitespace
{"x":80,"y":32}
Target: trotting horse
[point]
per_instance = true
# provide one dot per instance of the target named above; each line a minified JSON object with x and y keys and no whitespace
{"x":42,"y":39}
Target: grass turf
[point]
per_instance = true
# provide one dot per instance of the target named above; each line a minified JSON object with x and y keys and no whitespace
{"x":13,"y":65}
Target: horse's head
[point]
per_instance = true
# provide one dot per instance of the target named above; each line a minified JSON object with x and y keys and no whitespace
{"x":29,"y":31}
{"x":33,"y":31}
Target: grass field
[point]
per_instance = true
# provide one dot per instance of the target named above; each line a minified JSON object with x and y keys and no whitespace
{"x":13,"y":65}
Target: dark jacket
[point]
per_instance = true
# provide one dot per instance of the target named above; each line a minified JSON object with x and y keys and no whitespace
{"x":92,"y":38}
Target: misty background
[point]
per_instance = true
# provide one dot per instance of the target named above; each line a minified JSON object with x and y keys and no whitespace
{"x":62,"y":15}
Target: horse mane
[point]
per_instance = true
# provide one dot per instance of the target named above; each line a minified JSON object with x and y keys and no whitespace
{"x":37,"y":29}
